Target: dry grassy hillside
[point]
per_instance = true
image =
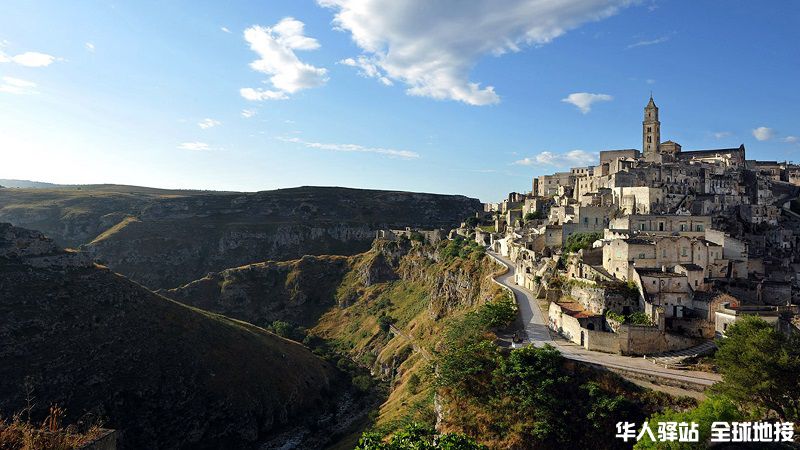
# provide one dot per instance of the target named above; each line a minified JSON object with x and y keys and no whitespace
{"x":164,"y":374}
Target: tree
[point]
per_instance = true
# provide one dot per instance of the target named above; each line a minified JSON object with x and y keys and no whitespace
{"x":541,"y":391}
{"x":418,"y":437}
{"x":467,"y":359}
{"x":499,"y":313}
{"x":713,"y":409}
{"x":385,"y":323}
{"x":759,"y":367}
{"x":472,"y":222}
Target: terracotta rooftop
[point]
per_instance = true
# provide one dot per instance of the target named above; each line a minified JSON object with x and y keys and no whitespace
{"x":575,"y":310}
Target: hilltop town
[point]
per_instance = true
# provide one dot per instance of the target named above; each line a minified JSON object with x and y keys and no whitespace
{"x":345,"y":315}
{"x":655,"y":250}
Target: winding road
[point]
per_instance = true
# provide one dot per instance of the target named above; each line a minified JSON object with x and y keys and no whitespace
{"x":538,"y":334}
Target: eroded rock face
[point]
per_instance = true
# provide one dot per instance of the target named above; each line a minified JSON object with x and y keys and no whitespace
{"x":22,"y":243}
{"x":166,"y":239}
{"x":163,"y":374}
{"x":297,"y":291}
{"x":36,"y":250}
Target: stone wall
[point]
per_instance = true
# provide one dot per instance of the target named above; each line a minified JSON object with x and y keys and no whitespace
{"x":694,"y":327}
{"x":601,"y":341}
{"x":598,"y":300}
{"x":565,"y":325}
{"x":106,"y":441}
{"x":645,"y":340}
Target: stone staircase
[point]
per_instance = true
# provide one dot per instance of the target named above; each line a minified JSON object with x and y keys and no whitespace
{"x":676,"y":359}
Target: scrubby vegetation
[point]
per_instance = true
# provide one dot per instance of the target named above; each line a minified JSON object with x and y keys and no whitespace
{"x":759,"y":367}
{"x":418,"y":437}
{"x":462,"y":248}
{"x":635,"y":318}
{"x":580,"y":241}
{"x":427,"y":290}
{"x":529,"y":397}
{"x":713,"y":409}
{"x":20,"y":433}
{"x":536,"y":215}
{"x":615,"y":316}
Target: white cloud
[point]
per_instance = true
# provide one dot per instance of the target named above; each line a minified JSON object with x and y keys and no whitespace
{"x":89,"y":46}
{"x":276,"y":48}
{"x":584,"y":100}
{"x":225,"y":29}
{"x":367,"y":69}
{"x":649,"y":42}
{"x":721,"y":134}
{"x":262,"y":94}
{"x":195,"y":146}
{"x":433,"y":46}
{"x":573,"y":158}
{"x":248,"y":113}
{"x":10,"y":85}
{"x":390,"y":152}
{"x":208,"y":123}
{"x":791,"y":139}
{"x":28,"y":59}
{"x":650,"y":81}
{"x":763,"y":133}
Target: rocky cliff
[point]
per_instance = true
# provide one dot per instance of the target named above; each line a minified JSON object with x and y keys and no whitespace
{"x":301,"y":291}
{"x":166,"y":375}
{"x":164,"y":239}
{"x":297,"y":291}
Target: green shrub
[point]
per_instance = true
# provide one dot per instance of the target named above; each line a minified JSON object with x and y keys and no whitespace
{"x":413,"y":383}
{"x":499,"y":313}
{"x":362,"y":382}
{"x":536,"y":215}
{"x":417,"y":437}
{"x":639,"y":318}
{"x":579,"y":241}
{"x":385,"y":323}
{"x":615,"y":316}
{"x":759,"y":367}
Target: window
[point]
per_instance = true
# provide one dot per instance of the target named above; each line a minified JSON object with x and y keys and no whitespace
{"x":641,"y":226}
{"x":695,"y":283}
{"x":661,"y":226}
{"x":641,"y":255}
{"x":649,"y":139}
{"x":649,"y":129}
{"x":664,"y":253}
{"x":683,"y":227}
{"x":684,"y":251}
{"x":699,"y":227}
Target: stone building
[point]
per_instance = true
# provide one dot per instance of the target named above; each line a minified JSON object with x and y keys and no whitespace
{"x":682,"y":226}
{"x":663,"y":224}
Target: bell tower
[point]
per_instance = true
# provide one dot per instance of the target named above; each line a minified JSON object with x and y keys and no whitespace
{"x":651,"y":131}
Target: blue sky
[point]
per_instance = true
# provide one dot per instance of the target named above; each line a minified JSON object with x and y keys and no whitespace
{"x":467,"y":97}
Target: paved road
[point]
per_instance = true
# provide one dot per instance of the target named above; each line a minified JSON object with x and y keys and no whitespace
{"x":539,"y":335}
